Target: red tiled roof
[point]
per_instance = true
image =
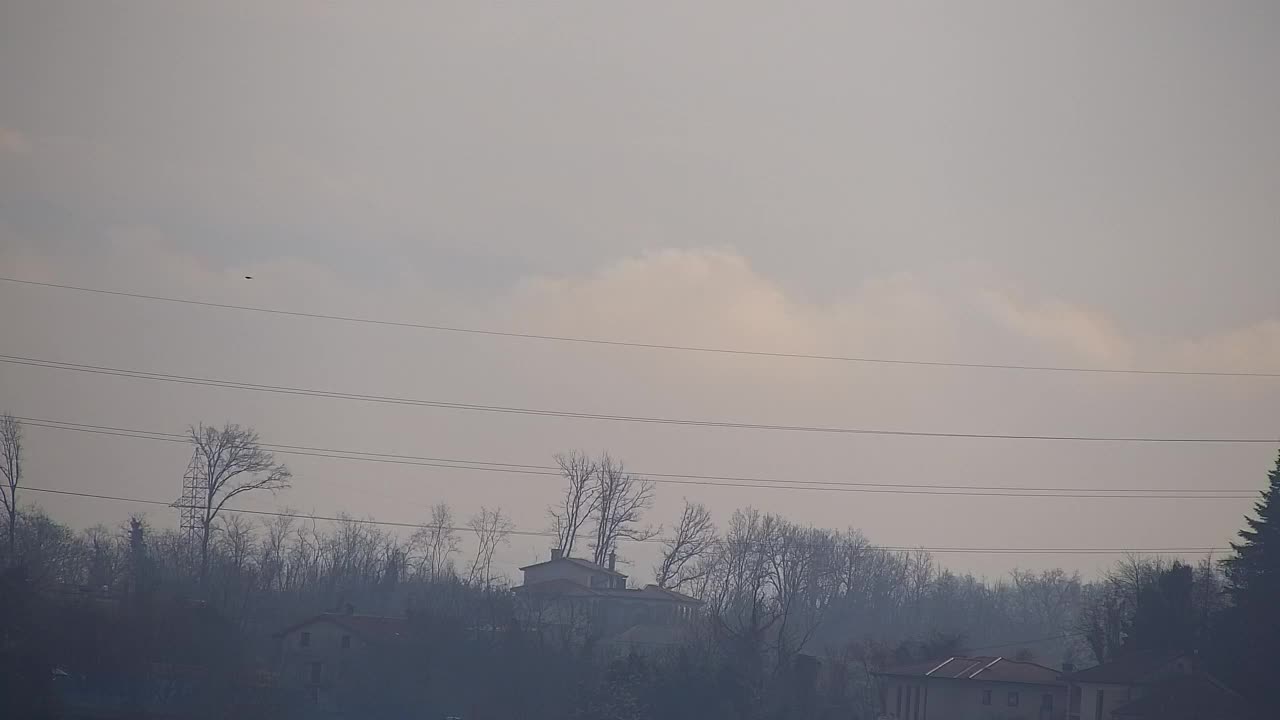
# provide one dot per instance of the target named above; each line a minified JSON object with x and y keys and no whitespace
{"x":579,"y":562}
{"x":980,"y":668}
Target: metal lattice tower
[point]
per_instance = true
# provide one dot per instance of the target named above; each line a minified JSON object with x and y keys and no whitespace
{"x":195,"y":488}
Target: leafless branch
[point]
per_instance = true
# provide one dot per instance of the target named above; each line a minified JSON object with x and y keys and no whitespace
{"x":438,"y":542}
{"x":492,"y":529}
{"x":622,"y":500}
{"x":233,"y":463}
{"x":581,"y":498}
{"x":11,"y":468}
{"x":694,"y":539}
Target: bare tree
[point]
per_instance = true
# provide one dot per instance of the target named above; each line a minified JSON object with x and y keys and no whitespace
{"x":355,"y":553}
{"x":395,"y":558}
{"x":1045,"y":598}
{"x":737,"y":595}
{"x":920,"y":574}
{"x":1102,"y":619}
{"x":695,"y":539}
{"x":11,"y":466}
{"x":492,"y":529}
{"x":271,"y":549}
{"x":621,"y":500}
{"x":303,"y":564}
{"x":233,"y":462}
{"x":802,"y":578}
{"x":581,"y":496}
{"x":50,"y":551}
{"x":104,"y":556}
{"x":439,"y":542}
{"x":237,"y":541}
{"x":1134,"y":573}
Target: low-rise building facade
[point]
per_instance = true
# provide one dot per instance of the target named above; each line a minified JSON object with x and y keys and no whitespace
{"x":584,"y":599}
{"x":972,"y":688}
{"x":1151,"y":686}
{"x":318,"y":654}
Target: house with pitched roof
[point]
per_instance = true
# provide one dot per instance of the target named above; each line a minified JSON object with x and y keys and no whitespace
{"x":1151,"y":686}
{"x":318,"y":654}
{"x":585,"y":599}
{"x":972,"y":688}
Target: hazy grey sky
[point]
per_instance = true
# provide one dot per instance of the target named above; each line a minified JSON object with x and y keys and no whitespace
{"x":1051,"y":183}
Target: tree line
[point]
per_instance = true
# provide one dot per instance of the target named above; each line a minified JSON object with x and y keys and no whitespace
{"x":794,"y":617}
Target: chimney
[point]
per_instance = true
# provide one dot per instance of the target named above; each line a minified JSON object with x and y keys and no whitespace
{"x":613,"y":559}
{"x":557,"y":553}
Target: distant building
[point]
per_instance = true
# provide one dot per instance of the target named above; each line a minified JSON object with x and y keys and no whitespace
{"x":972,"y":688}
{"x":583,"y":598}
{"x":318,"y":654}
{"x":1151,"y":686}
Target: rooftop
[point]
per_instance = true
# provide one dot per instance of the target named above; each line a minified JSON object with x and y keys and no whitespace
{"x":1132,"y":668}
{"x":1192,"y":697}
{"x":979,"y":668}
{"x":372,"y":628}
{"x":595,"y":567}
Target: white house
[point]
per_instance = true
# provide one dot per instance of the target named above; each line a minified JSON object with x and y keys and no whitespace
{"x":584,"y":598}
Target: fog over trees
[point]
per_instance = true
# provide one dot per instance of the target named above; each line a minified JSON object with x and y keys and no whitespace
{"x":793,"y":617}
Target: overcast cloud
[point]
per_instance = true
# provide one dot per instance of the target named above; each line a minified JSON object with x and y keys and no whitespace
{"x":1091,"y":184}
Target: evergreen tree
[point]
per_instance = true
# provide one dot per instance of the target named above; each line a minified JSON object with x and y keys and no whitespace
{"x":1249,"y":631}
{"x":1254,"y":571}
{"x":1164,"y":619}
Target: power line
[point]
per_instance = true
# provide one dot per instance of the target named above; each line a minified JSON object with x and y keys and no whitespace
{"x":245,"y":511}
{"x":542,"y":412}
{"x":548,"y":470}
{"x":536,"y":533}
{"x":672,"y":478}
{"x":642,"y":345}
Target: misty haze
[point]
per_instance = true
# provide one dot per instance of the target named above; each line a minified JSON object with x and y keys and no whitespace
{"x":578,"y":360}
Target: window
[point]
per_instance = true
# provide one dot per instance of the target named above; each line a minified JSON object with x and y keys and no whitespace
{"x":898,"y":710}
{"x":917,"y":714}
{"x":907,"y":714}
{"x":304,"y":640}
{"x":1046,"y":703}
{"x":346,"y":641}
{"x":316,"y":669}
{"x":1013,"y":699}
{"x":986,"y":697}
{"x":1097,"y":706}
